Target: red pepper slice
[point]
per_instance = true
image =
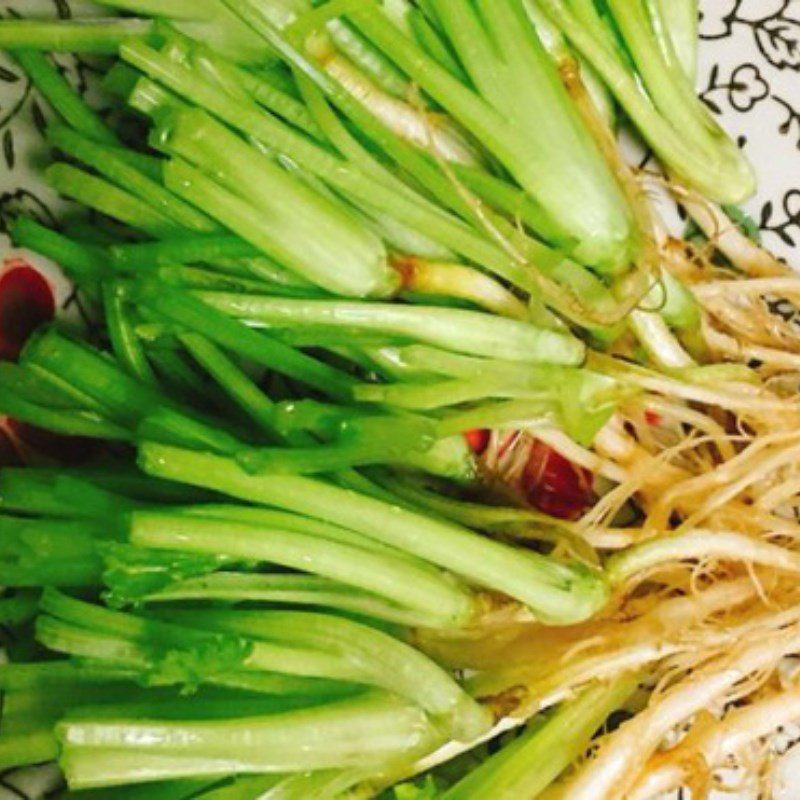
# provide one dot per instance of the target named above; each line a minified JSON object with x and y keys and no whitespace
{"x":478,"y":440}
{"x":556,"y":486}
{"x":26,"y":301}
{"x":652,"y":417}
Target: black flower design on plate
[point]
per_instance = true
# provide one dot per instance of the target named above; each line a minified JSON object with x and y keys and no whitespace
{"x":717,"y":22}
{"x":786,"y":226}
{"x":747,"y":87}
{"x":717,"y":18}
{"x":779,"y":40}
{"x":24,"y":202}
{"x":775,"y":25}
{"x":16,"y":89}
{"x":63,"y":11}
{"x":791,"y":121}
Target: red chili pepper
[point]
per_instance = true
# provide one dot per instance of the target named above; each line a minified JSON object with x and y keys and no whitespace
{"x":26,"y":301}
{"x":478,"y":440}
{"x":556,"y":486}
{"x":652,"y":417}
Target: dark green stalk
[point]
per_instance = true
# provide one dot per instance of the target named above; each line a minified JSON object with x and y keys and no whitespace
{"x":85,"y":263}
{"x":211,"y":280}
{"x":118,"y":478}
{"x":183,"y":250}
{"x":102,"y":196}
{"x":33,"y":385}
{"x":66,"y":102}
{"x":19,"y":608}
{"x":28,"y":748}
{"x":106,"y":162}
{"x":231,"y":334}
{"x":38,"y":553}
{"x":166,"y":425}
{"x":68,"y":423}
{"x":178,"y":375}
{"x":125,"y":343}
{"x":125,"y":400}
{"x":233,"y":381}
{"x":63,"y":494}
{"x":46,"y":675}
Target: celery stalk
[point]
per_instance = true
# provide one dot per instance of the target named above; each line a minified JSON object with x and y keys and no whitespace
{"x":103,"y":196}
{"x":124,"y":399}
{"x":527,"y":766}
{"x":106,"y":162}
{"x":206,"y":20}
{"x":180,"y":250}
{"x":323,"y":243}
{"x":682,"y":20}
{"x":395,"y":666}
{"x":124,"y":341}
{"x":102,"y":37}
{"x":68,"y":423}
{"x":237,"y":384}
{"x":462,"y":331}
{"x":364,"y":732}
{"x":187,"y":311}
{"x":84,"y":262}
{"x":19,"y":607}
{"x":424,"y":216}
{"x":506,"y":117}
{"x":557,"y":593}
{"x":701,"y":154}
{"x":61,"y":96}
{"x":287,"y":589}
{"x":396,"y":579}
{"x":267,"y":518}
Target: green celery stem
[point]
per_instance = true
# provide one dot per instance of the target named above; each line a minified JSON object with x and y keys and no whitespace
{"x":557,"y":593}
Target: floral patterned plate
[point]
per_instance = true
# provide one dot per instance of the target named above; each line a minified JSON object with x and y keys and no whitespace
{"x":749,"y":76}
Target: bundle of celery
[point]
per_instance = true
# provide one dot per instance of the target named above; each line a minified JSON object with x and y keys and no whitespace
{"x":413,"y":424}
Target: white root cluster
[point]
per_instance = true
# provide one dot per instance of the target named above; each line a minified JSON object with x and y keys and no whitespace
{"x":698,"y":526}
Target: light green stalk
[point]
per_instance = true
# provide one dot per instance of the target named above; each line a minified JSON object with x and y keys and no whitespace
{"x":528,"y":765}
{"x":461,"y":331}
{"x":300,"y":228}
{"x":395,"y":579}
{"x":659,"y":99}
{"x":557,"y":593}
